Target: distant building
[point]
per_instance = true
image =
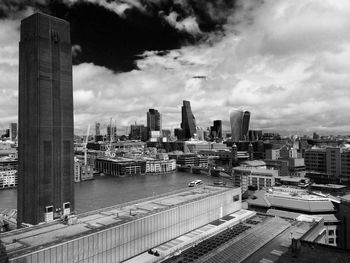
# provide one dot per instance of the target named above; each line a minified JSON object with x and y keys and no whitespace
{"x":112,"y":132}
{"x":179,"y":133}
{"x":192,"y":160}
{"x":13,"y":132}
{"x":45,"y":151}
{"x":97,"y":129}
{"x":154,"y":121}
{"x":138,"y":132}
{"x":287,"y":152}
{"x":332,"y":162}
{"x":253,"y":176}
{"x":245,"y":125}
{"x":120,"y":166}
{"x":272,"y":154}
{"x":160,"y":166}
{"x":280,"y":165}
{"x":217,"y":129}
{"x":188,"y":123}
{"x":200,"y":133}
{"x":77,"y":170}
{"x":8,"y":173}
{"x":166,"y":133}
{"x":239,"y":121}
{"x":254,"y":135}
{"x":83,"y":172}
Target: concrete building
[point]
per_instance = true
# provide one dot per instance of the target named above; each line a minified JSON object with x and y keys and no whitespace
{"x":282,"y":166}
{"x":160,"y":166}
{"x":192,"y":160}
{"x":8,"y":173}
{"x":45,"y":152}
{"x":272,"y":154}
{"x":332,"y":162}
{"x":118,"y":233}
{"x":154,"y":121}
{"x":258,"y":178}
{"x":188,"y":124}
{"x":83,"y":172}
{"x":287,"y":152}
{"x":120,"y":166}
{"x":291,"y":203}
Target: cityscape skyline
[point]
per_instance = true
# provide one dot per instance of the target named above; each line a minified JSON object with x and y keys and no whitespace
{"x":258,"y":59}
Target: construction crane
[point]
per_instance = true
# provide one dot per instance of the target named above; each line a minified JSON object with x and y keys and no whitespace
{"x":85,"y":145}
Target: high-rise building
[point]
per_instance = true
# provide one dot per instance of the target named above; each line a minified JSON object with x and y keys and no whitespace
{"x":46,"y":159}
{"x":245,"y":125}
{"x":13,"y":131}
{"x":154,"y":121}
{"x":179,"y":133}
{"x":254,"y":135}
{"x":97,"y":129}
{"x":138,"y":132}
{"x":217,"y":127}
{"x":239,"y":121}
{"x":188,"y":123}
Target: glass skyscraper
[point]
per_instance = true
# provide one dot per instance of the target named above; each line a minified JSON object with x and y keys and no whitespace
{"x":239,"y":121}
{"x":188,"y":123}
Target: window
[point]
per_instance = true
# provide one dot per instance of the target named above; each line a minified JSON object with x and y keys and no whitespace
{"x":331,"y":232}
{"x":235,"y":198}
{"x":331,"y":241}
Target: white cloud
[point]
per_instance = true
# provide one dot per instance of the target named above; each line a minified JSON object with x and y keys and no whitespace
{"x":285,"y":61}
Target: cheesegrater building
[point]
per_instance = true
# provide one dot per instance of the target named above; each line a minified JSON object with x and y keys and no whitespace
{"x":45,"y":153}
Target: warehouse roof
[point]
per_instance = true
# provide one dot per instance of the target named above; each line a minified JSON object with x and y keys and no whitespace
{"x":23,"y":240}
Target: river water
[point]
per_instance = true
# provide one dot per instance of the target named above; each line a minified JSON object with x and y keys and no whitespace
{"x":107,"y":191}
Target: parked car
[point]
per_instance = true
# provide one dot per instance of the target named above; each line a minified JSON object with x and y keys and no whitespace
{"x":195,"y":183}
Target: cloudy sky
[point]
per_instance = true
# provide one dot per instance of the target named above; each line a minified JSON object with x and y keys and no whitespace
{"x":285,"y":61}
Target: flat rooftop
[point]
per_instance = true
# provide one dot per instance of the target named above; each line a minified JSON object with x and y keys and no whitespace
{"x":25,"y":240}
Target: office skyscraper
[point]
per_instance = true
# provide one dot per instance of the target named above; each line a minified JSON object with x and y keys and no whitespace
{"x":188,"y":123}
{"x":245,"y":125}
{"x":154,"y":120}
{"x":46,"y":160}
{"x":217,"y":127}
{"x":239,"y":121}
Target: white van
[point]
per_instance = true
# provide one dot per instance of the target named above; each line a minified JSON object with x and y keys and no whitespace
{"x":195,"y":183}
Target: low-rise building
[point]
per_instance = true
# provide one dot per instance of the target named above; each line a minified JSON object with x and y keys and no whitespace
{"x":292,"y":202}
{"x":329,"y":162}
{"x":160,"y":166}
{"x":259,"y":178}
{"x":192,"y":160}
{"x":120,"y":166}
{"x":8,"y":173}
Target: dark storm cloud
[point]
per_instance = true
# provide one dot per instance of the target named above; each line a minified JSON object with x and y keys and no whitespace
{"x":114,"y":33}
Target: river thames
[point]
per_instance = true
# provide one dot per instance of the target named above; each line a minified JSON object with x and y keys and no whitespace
{"x":107,"y":191}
